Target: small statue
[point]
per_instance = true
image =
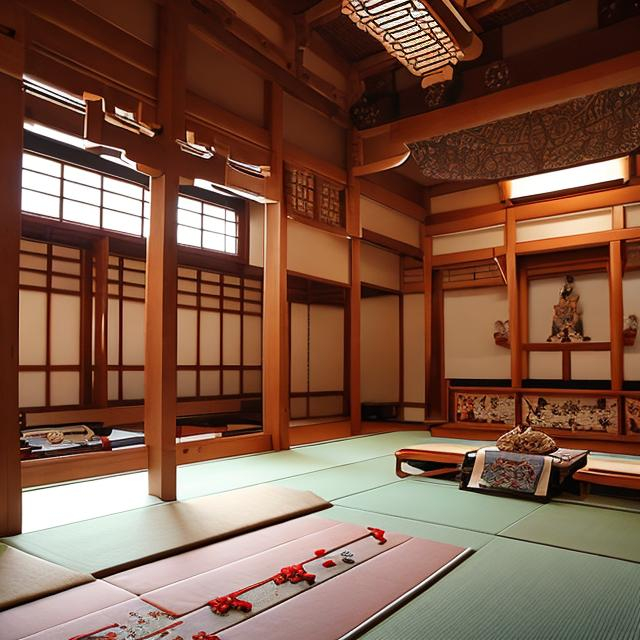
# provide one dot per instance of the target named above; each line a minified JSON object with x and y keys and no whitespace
{"x":567,"y":323}
{"x":501,"y":333}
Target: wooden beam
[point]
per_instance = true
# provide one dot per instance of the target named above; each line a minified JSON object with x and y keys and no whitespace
{"x":101,"y":319}
{"x":11,"y":127}
{"x":616,"y":318}
{"x":392,"y":200}
{"x":86,"y":328}
{"x":162,"y":262}
{"x":322,"y":12}
{"x":615,"y":72}
{"x":514,"y":308}
{"x":275,"y":381}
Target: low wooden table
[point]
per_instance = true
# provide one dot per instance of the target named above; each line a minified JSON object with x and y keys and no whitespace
{"x":436,"y":459}
{"x":610,"y":472}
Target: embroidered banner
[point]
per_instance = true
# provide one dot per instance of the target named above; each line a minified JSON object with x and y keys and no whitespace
{"x":508,"y":471}
{"x":588,"y":129}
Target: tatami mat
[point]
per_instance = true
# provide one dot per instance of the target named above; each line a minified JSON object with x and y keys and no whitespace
{"x":442,"y":505}
{"x":347,"y":479}
{"x":437,"y":532}
{"x":113,"y":543}
{"x":233,"y":473}
{"x":512,"y":590}
{"x":605,"y":532}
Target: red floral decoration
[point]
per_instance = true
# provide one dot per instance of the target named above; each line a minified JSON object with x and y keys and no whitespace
{"x":294,"y":574}
{"x":378,"y":534}
{"x":223,"y":604}
{"x":328,"y":564}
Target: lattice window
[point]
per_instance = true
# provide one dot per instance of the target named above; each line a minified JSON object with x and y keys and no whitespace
{"x":50,"y":325}
{"x":311,"y":197}
{"x":300,"y":192}
{"x":331,"y":205}
{"x":207,"y":226}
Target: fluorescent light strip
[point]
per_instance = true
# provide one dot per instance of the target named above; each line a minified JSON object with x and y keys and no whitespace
{"x":573,"y":178}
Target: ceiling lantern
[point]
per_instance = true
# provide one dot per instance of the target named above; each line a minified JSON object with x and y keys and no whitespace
{"x":429,"y":37}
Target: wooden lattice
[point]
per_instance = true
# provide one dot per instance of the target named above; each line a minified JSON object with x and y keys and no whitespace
{"x":300,"y":190}
{"x":331,"y":205}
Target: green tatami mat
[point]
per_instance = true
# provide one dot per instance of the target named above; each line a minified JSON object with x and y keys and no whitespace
{"x":437,"y":532}
{"x":109,"y":544}
{"x":346,"y":480}
{"x":233,"y":473}
{"x":605,"y":532}
{"x":511,"y":590}
{"x":441,"y":504}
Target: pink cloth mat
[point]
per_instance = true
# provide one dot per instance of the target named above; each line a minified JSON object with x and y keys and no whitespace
{"x":191,"y":594}
{"x":334,"y":608}
{"x":161,"y":573}
{"x":37,"y":616}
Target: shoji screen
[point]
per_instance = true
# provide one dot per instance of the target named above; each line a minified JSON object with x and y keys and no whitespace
{"x":125,"y":351}
{"x":50,"y":320}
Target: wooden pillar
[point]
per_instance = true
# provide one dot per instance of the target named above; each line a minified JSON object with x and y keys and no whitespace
{"x":162,"y":261}
{"x":101,"y":308}
{"x":161,"y":338}
{"x":354,"y":339}
{"x":275,"y":385}
{"x":11,"y":124}
{"x":616,"y":315}
{"x":427,"y":281}
{"x":512,"y":295}
{"x":353,"y":335}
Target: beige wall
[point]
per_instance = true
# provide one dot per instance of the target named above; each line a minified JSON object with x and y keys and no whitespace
{"x":388,"y":222}
{"x":317,"y":253}
{"x":299,"y":353}
{"x":631,"y":298}
{"x":379,"y":267}
{"x":310,"y":130}
{"x":469,"y":348}
{"x":468,"y":240}
{"x":220,"y":78}
{"x":466,"y":199}
{"x":380,"y":349}
{"x":564,"y":225}
{"x":632,"y":215}
{"x":326,"y":348}
{"x":256,"y":234}
{"x":413,"y":353}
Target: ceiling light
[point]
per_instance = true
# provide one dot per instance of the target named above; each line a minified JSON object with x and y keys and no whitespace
{"x":429,"y":37}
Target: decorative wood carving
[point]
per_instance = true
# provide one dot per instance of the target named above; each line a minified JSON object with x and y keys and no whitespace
{"x":586,"y":129}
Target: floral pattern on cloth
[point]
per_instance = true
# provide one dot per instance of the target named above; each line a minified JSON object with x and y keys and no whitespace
{"x":496,"y":470}
{"x":512,"y":471}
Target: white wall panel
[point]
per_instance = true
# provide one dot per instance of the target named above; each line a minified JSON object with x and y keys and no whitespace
{"x":252,"y":340}
{"x":231,"y":383}
{"x":112,"y":385}
{"x":325,"y":406}
{"x":113,"y":330}
{"x":299,"y":323}
{"x":590,"y":365}
{"x":326,"y":348}
{"x":469,"y":348}
{"x":230,"y":338}
{"x":132,"y":385}
{"x":564,"y":225}
{"x":545,"y":365}
{"x":65,"y":329}
{"x":209,"y":383}
{"x":317,"y":253}
{"x":65,"y":388}
{"x":388,"y":222}
{"x":209,"y":337}
{"x":379,"y":267}
{"x":468,"y":240}
{"x":185,"y":384}
{"x":413,"y":347}
{"x":380,"y":349}
{"x":33,"y":328}
{"x":132,"y":332}
{"x":187,"y":336}
{"x":632,"y":215}
{"x":252,"y":382}
{"x":31,"y":388}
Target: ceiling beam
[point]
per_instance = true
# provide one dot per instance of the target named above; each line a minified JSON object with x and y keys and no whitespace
{"x":323,"y":12}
